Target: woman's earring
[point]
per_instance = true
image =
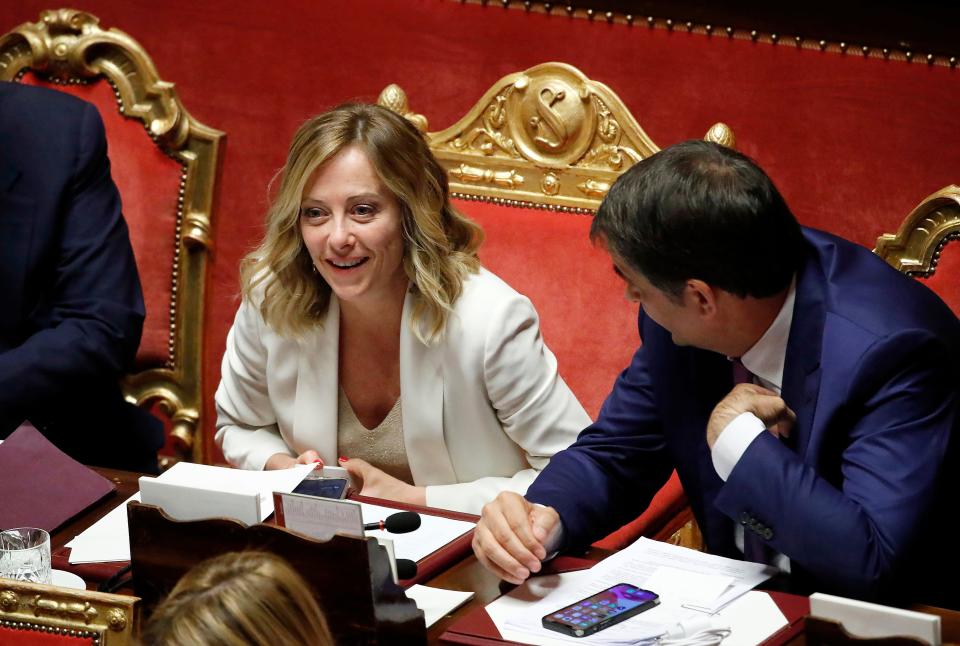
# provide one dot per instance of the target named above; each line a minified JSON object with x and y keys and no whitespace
{"x":314,"y":267}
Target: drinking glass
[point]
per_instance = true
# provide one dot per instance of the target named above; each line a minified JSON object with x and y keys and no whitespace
{"x":25,"y":555}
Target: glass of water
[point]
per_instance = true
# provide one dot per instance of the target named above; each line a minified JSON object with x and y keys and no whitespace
{"x":25,"y":555}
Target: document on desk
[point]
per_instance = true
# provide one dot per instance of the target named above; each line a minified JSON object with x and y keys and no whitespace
{"x":436,"y":603}
{"x":108,"y":539}
{"x":434,"y":532}
{"x":690,"y":584}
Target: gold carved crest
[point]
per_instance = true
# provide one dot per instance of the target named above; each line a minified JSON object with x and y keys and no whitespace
{"x":547,"y":135}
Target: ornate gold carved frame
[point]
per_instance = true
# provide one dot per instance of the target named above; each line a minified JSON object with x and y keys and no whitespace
{"x":68,"y":46}
{"x":915,"y":249}
{"x":104,"y":619}
{"x":547,"y":136}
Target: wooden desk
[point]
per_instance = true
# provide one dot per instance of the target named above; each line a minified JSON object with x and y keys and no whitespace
{"x":468,"y":574}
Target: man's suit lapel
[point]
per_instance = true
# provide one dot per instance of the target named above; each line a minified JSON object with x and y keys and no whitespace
{"x":421,"y":402}
{"x":318,"y":390}
{"x":801,"y":370}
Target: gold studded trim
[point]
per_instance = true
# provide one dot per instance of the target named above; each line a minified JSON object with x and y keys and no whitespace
{"x":917,"y":246}
{"x":669,"y":24}
{"x":520,"y":204}
{"x":94,"y":637}
{"x":68,"y":46}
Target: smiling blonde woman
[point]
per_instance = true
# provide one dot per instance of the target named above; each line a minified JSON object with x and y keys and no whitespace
{"x":369,"y":329}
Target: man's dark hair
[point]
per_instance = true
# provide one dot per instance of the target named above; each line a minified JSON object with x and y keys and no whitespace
{"x":705,"y":211}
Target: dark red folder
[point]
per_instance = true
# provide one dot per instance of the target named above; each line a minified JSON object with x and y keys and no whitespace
{"x":42,"y":486}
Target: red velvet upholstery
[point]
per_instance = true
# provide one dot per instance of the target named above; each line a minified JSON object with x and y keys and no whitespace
{"x":585,"y":319}
{"x":12,"y":637}
{"x":668,"y":511}
{"x":148,"y":181}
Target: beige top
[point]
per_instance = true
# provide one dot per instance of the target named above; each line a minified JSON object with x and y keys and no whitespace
{"x":381,"y":446}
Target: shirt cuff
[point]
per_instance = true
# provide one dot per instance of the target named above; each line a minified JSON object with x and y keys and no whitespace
{"x":733,"y":442}
{"x":554,"y":539}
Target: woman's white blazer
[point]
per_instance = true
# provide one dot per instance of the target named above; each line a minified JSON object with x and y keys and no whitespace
{"x":483,"y":407}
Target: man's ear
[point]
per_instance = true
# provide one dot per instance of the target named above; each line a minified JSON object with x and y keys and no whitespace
{"x":701,"y":296}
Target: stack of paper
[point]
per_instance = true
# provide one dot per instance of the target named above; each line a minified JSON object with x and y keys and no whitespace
{"x":690,"y":585}
{"x":109,"y":538}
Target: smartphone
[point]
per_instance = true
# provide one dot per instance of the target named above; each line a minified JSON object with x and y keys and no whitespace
{"x":599,"y":611}
{"x":323,"y":487}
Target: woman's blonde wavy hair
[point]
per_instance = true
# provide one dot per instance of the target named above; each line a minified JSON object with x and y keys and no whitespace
{"x":440,"y":244}
{"x":238,"y":599}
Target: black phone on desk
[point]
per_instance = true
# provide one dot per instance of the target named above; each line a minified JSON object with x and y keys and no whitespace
{"x":601,"y":610}
{"x":323,"y":487}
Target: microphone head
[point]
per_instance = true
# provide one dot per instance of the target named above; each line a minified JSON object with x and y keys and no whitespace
{"x":402,"y":522}
{"x":406,"y":569}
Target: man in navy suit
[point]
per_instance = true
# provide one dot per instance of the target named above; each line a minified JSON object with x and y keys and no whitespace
{"x":72,"y":307}
{"x":834,"y":458}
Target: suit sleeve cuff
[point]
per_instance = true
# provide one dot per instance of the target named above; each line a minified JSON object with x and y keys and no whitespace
{"x":733,"y":442}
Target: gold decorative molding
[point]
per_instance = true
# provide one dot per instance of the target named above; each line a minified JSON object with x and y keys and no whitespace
{"x":899,"y":52}
{"x":68,"y":46}
{"x":547,"y":136}
{"x":104,"y":619}
{"x":916,"y":247}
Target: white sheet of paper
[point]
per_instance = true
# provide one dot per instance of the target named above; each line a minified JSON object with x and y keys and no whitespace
{"x":108,"y":539}
{"x":434,"y":532}
{"x":751,"y":618}
{"x":436,"y":603}
{"x":685,"y":586}
{"x":640,"y":560}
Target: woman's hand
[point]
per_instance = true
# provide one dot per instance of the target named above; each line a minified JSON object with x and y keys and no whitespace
{"x":285,"y":461}
{"x":377,"y":484}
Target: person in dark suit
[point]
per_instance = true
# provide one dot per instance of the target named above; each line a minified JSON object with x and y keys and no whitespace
{"x":835,"y":459}
{"x":72,"y":306}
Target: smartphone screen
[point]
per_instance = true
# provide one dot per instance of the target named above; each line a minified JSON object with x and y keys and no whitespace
{"x":323,"y":487}
{"x":606,"y":608}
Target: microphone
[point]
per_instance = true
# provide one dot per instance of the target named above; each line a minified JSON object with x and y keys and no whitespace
{"x":406,"y":569}
{"x":399,"y":523}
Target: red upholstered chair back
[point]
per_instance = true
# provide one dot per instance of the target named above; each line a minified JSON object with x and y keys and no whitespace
{"x":164,"y":163}
{"x":921,"y":248}
{"x":531,"y":162}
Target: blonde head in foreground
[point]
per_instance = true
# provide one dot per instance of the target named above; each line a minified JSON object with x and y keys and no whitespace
{"x":239,"y":599}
